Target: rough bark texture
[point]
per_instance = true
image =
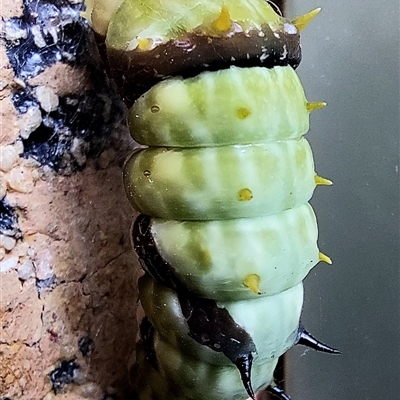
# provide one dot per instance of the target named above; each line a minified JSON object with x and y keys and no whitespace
{"x":67,"y":275}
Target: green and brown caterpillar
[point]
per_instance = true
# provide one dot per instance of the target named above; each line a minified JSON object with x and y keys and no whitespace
{"x":225,"y":234}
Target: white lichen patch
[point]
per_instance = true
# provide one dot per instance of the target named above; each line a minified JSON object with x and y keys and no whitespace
{"x":8,"y":157}
{"x":26,"y":270}
{"x":21,"y":249}
{"x":47,"y":98}
{"x":8,"y":263}
{"x":37,"y":36}
{"x":8,"y":242}
{"x":29,"y":122}
{"x":19,"y":147}
{"x":20,"y":179}
{"x":12,"y":32}
{"x":3,"y":186}
{"x":44,"y":264}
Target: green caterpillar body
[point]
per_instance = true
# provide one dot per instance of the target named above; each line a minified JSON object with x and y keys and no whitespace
{"x":235,"y":106}
{"x":226,"y":234}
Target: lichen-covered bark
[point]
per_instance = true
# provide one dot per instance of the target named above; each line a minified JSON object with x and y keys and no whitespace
{"x":67,"y":274}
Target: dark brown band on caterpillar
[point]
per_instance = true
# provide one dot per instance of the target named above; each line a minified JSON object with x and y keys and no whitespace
{"x":136,"y":71}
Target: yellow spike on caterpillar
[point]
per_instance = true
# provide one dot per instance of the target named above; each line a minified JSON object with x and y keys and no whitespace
{"x":252,"y":281}
{"x":302,"y":21}
{"x":323,"y":257}
{"x":315,"y":105}
{"x":320,"y":181}
{"x":223,"y":23}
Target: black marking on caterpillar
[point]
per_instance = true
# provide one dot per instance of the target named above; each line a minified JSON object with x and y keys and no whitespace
{"x":149,"y":257}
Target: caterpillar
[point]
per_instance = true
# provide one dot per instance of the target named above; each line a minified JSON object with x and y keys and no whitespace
{"x":225,"y":233}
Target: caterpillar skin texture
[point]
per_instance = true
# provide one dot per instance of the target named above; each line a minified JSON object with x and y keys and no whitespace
{"x":226,"y":234}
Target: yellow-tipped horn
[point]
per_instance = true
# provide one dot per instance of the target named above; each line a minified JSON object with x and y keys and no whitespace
{"x":252,"y":281}
{"x":223,"y":23}
{"x":320,"y":181}
{"x":315,"y":105}
{"x":303,"y":20}
{"x":323,"y":257}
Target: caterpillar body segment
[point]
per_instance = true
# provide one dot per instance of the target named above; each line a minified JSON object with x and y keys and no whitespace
{"x":214,"y":259}
{"x":226,"y":234}
{"x":159,"y":21}
{"x":235,"y":106}
{"x":197,"y":36}
{"x":181,"y":377}
{"x":221,"y":182}
{"x":168,"y":312}
{"x":98,"y":13}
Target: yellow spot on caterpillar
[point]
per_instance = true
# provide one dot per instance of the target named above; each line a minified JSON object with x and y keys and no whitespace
{"x":252,"y":281}
{"x":144,"y":44}
{"x":205,"y":257}
{"x":243,"y":112}
{"x":323,"y":257}
{"x":312,"y":106}
{"x":155,"y":109}
{"x":320,"y":181}
{"x":245,"y":195}
{"x":303,"y":20}
{"x":223,"y":23}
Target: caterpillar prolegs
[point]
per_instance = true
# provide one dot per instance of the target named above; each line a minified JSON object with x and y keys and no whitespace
{"x":226,"y":234}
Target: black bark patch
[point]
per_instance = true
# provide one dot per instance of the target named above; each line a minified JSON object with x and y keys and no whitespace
{"x":23,"y":100}
{"x":85,"y":345}
{"x":78,"y":129}
{"x":60,"y":29}
{"x":63,"y":375}
{"x":8,"y":220}
{"x":81,"y":126}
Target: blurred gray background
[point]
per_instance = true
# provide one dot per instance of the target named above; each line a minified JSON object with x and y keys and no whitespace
{"x":351,"y":60}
